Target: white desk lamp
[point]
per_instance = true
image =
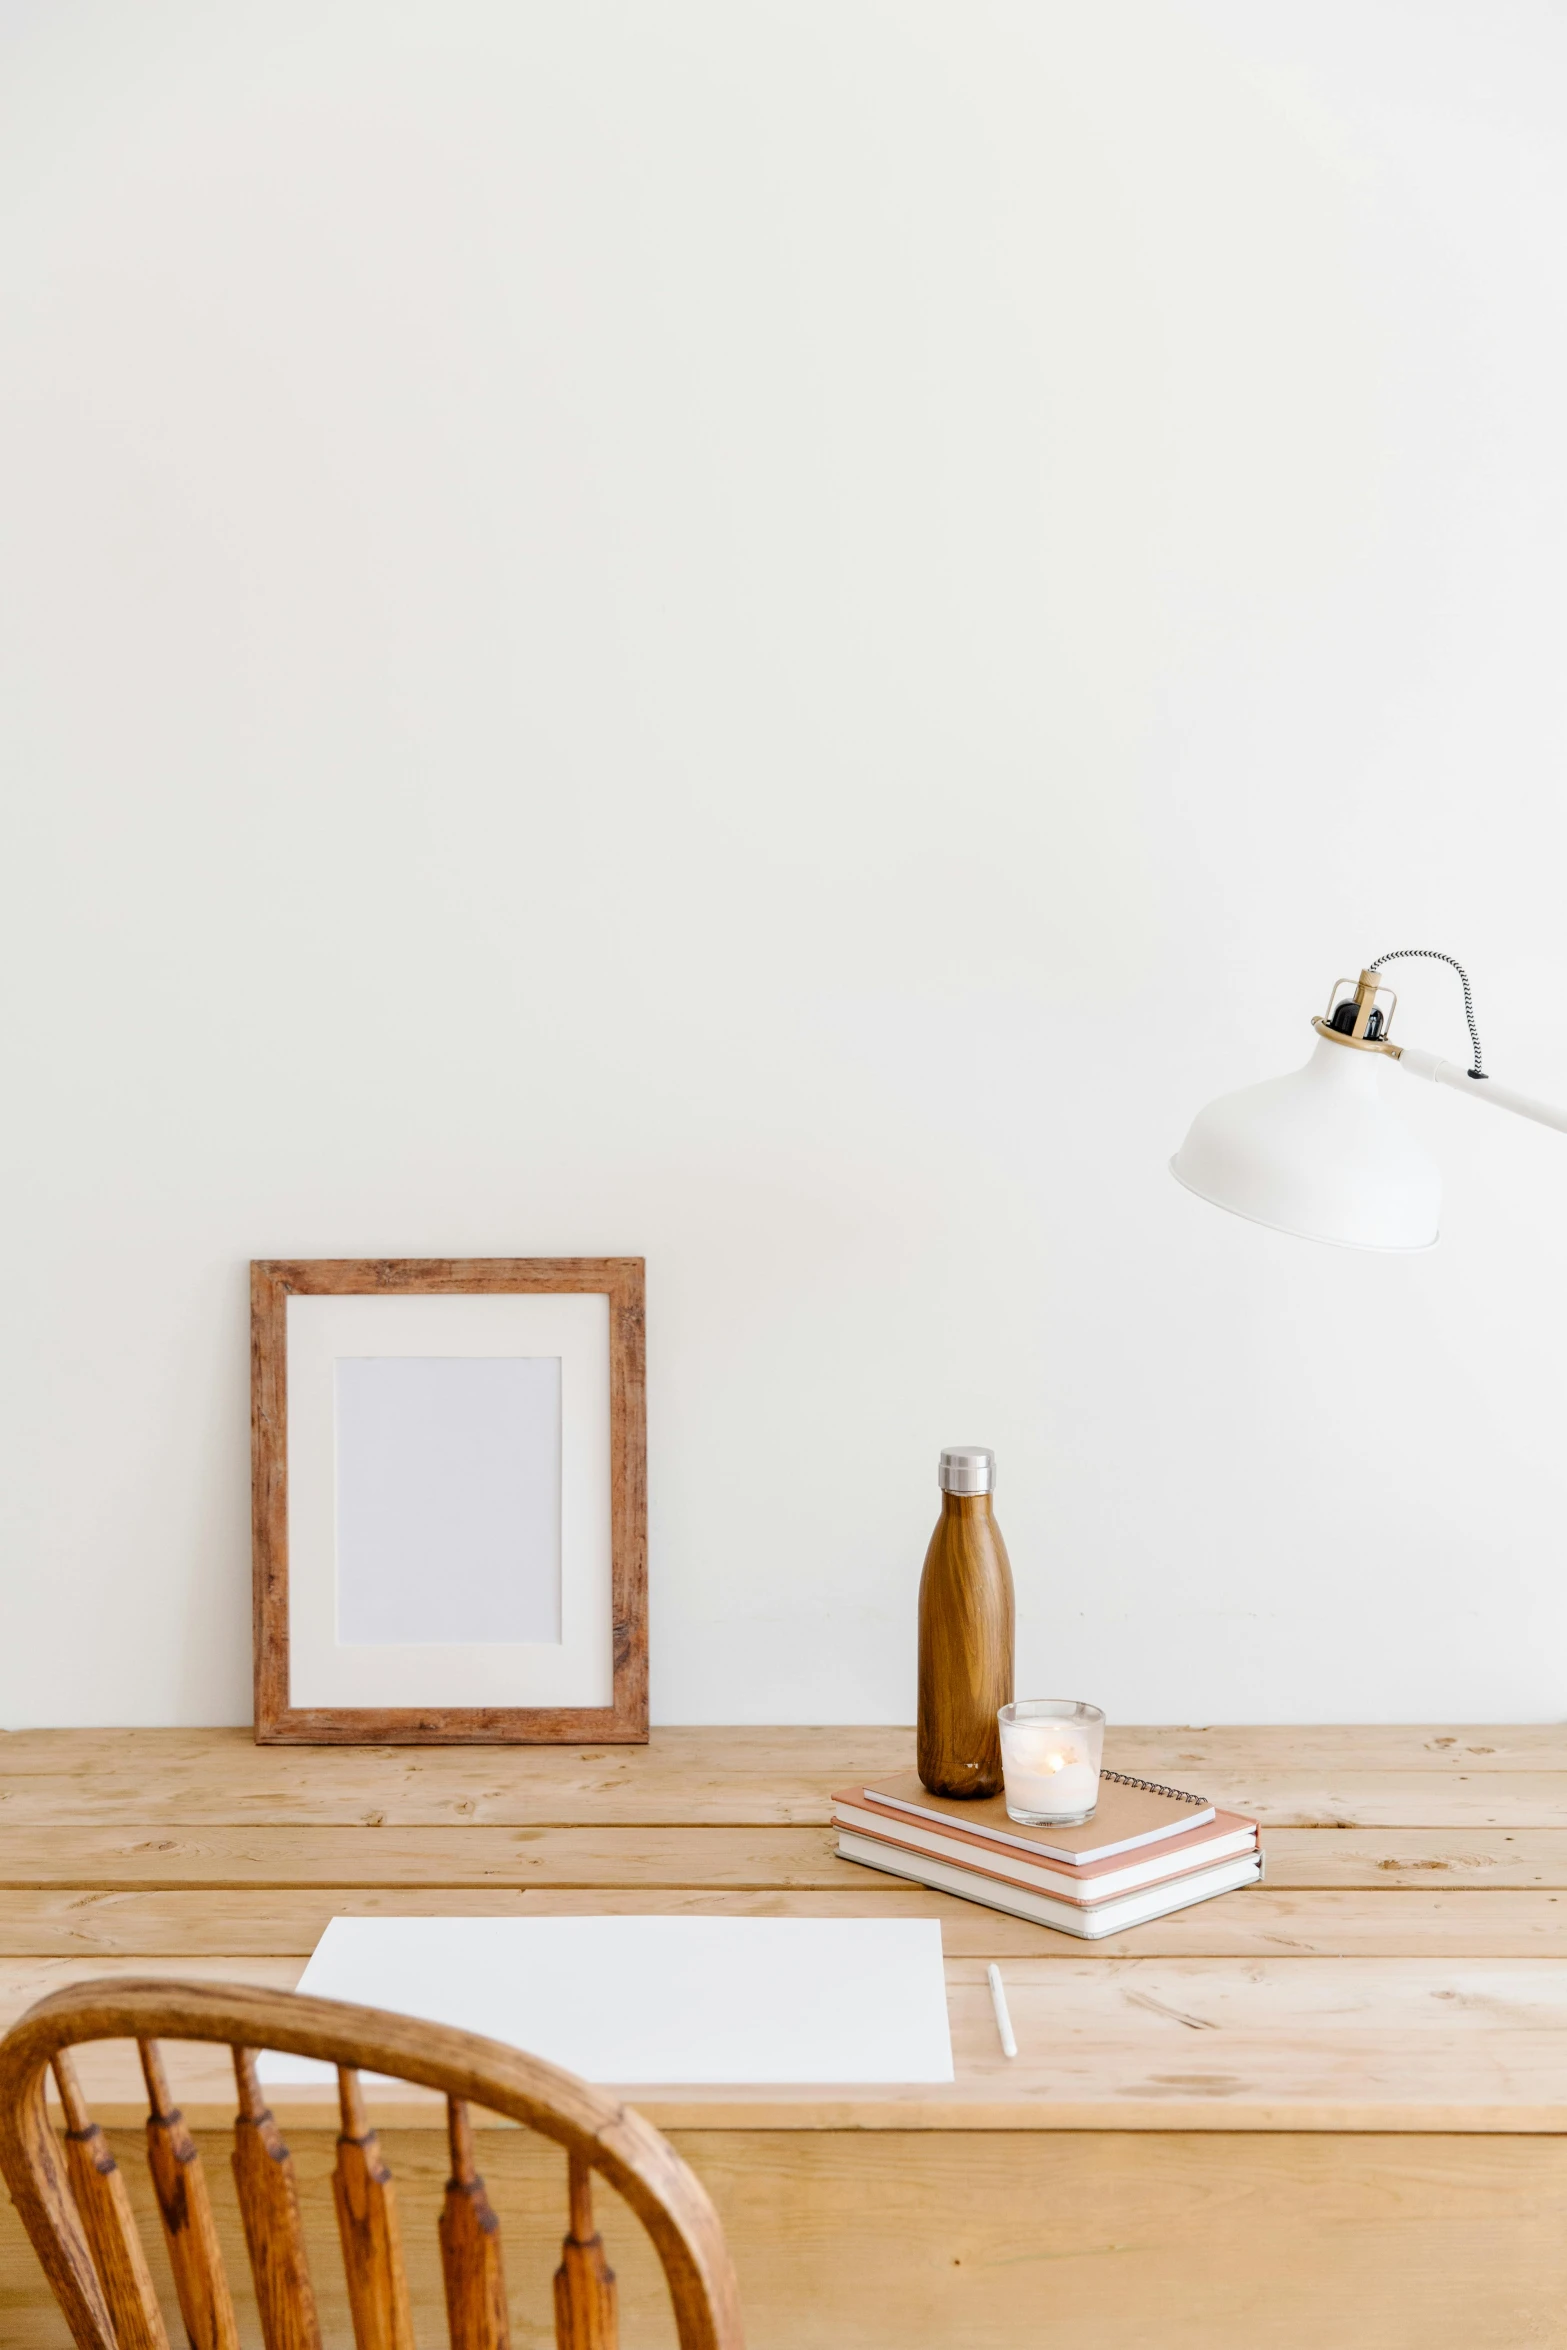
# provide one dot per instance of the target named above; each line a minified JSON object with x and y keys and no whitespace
{"x":1320,"y":1153}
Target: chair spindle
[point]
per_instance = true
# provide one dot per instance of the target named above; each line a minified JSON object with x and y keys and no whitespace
{"x":189,"y":2229}
{"x":591,"y":2127}
{"x":471,"y":2247}
{"x":367,"y":2224}
{"x":585,"y":2317}
{"x":105,"y":2207}
{"x":269,"y":2207}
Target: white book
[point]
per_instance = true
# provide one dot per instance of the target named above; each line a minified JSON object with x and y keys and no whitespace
{"x":1068,"y":1917}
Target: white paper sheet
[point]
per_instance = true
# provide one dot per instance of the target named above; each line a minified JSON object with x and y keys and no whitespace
{"x":635,"y":1999}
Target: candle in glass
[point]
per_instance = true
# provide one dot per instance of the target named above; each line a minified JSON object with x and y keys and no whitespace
{"x":1050,"y":1749}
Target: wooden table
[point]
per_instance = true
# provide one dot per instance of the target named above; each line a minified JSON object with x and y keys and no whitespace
{"x":1328,"y":2111}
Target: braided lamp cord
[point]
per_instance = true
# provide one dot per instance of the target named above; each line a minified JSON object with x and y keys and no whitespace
{"x":1433,"y":955}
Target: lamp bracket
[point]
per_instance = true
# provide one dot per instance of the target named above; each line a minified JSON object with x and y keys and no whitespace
{"x":1359,"y":1014}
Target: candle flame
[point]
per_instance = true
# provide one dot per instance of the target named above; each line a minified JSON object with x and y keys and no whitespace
{"x":1057,"y":1762}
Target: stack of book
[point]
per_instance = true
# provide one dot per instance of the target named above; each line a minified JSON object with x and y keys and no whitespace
{"x":1146,"y":1851}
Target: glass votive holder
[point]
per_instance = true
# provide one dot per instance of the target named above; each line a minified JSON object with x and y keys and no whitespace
{"x":1050,"y":1750}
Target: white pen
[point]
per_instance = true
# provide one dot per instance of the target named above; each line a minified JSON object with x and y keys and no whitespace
{"x":998,"y":2000}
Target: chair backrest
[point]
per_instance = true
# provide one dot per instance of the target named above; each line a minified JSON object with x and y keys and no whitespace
{"x":82,"y":2228}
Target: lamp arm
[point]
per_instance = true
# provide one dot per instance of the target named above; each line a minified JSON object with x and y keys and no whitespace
{"x":1483,"y":1089}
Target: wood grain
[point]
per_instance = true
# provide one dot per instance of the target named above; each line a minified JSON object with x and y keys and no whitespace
{"x":1137,"y":2241}
{"x":736,"y":1777}
{"x":472,"y":2263}
{"x":274,"y":2229}
{"x":1173,"y":1748}
{"x":46,"y":2208}
{"x":368,"y":2228}
{"x":185,"y":2213}
{"x":1333,"y":2108}
{"x":621,"y":1280}
{"x":716,"y":1777}
{"x":586,"y":2309}
{"x":269,"y":1496}
{"x":106,"y":2215}
{"x":738,"y":1859}
{"x":594,"y":2128}
{"x":1276,"y":2042}
{"x":243,"y":1928}
{"x":966,"y":1642}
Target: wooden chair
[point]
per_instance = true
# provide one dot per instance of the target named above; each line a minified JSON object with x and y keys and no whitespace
{"x":80,"y":2223}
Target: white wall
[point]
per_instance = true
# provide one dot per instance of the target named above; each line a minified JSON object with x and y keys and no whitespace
{"x":776,"y":633}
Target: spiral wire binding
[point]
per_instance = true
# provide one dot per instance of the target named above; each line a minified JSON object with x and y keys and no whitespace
{"x":1433,"y":955}
{"x":1152,"y":1786}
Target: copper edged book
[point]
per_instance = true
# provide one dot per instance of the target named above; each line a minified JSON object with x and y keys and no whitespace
{"x":1130,"y":1812}
{"x":1148,"y":1851}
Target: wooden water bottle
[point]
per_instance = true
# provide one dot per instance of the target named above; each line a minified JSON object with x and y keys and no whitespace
{"x":965,"y":1632}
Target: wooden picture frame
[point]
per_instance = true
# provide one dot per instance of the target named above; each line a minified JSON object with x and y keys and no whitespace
{"x":277,"y":1719}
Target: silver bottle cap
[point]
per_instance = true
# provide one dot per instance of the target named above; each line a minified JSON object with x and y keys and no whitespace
{"x":968,"y":1468}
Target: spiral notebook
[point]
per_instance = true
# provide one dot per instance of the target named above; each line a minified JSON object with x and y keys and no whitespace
{"x":1130,"y":1813}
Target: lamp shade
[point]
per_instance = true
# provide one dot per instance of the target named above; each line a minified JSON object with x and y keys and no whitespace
{"x":1319,"y":1154}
